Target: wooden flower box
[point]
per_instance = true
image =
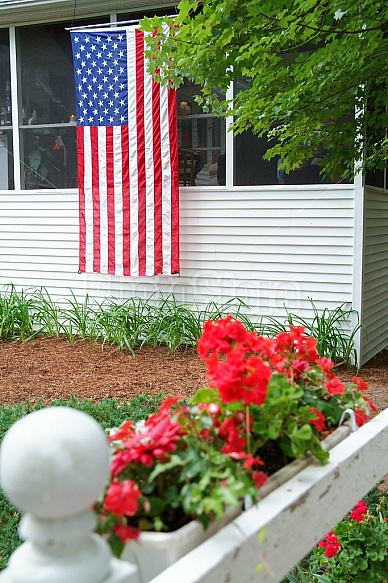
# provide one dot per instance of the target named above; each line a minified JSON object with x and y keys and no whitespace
{"x":265,"y":542}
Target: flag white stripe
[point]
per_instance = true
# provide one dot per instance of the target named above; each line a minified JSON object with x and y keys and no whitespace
{"x":118,"y":191}
{"x":103,"y":199}
{"x":167,"y":180}
{"x":132,"y":127}
{"x":149,"y":153}
{"x":89,"y":251}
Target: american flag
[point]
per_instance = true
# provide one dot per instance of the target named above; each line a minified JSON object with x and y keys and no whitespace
{"x":127,"y":157}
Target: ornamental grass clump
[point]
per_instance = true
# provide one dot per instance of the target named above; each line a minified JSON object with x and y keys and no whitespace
{"x":269,"y":401}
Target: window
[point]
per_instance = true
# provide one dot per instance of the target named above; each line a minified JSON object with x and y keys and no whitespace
{"x":250,"y":167}
{"x":47,"y":122}
{"x":201,"y":139}
{"x":6,"y":150}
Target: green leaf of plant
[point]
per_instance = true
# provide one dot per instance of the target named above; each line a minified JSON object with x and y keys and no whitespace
{"x":262,"y":536}
{"x":34,"y":159}
{"x":322,"y":579}
{"x":116,"y":545}
{"x":205,"y":396}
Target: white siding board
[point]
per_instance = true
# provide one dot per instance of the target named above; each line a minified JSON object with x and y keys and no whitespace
{"x":19,"y":247}
{"x":372,"y":279}
{"x":307,"y":195}
{"x":374,"y":257}
{"x":375,"y":284}
{"x":223,"y":262}
{"x":316,"y":215}
{"x":374,"y":307}
{"x":324,"y":254}
{"x":261,"y":230}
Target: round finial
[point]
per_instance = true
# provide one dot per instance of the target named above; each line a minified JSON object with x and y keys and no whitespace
{"x":54,"y":462}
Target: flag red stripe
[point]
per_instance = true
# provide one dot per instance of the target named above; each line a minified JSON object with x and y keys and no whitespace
{"x":173,"y":134}
{"x":110,"y":195}
{"x":81,"y":189}
{"x":96,"y":199}
{"x":141,"y":151}
{"x":126,"y":201}
{"x":158,"y":181}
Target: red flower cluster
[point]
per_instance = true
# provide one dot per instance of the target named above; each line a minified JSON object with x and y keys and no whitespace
{"x":242,"y":378}
{"x":155,"y":440}
{"x":359,"y":511}
{"x":242,"y":375}
{"x":165,"y":456}
{"x":223,"y":336}
{"x":122,"y":498}
{"x":240,"y":364}
{"x":331,"y":544}
{"x":293,"y":352}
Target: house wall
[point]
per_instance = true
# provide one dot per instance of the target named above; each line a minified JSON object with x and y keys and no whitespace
{"x":270,"y":246}
{"x":375,"y":280}
{"x":274,"y":247}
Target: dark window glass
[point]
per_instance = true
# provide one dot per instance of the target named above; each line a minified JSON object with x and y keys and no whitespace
{"x":375,"y":178}
{"x":47,"y":83}
{"x":201,"y":139}
{"x":6,"y":150}
{"x":251,"y":169}
{"x":50,"y":157}
{"x":48,"y":138}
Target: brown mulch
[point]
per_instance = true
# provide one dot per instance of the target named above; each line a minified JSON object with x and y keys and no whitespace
{"x":50,"y":368}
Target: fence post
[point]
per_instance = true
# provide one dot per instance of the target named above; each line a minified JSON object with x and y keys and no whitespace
{"x":53,"y":465}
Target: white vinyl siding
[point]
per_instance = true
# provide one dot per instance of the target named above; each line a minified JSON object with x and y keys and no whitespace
{"x":375,"y":284}
{"x":272,"y":247}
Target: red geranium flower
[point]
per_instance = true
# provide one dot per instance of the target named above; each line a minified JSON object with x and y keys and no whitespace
{"x":325,"y":363}
{"x":335,"y":387}
{"x":361,"y":416}
{"x":331,"y":544}
{"x":319,"y":421}
{"x":370,"y":403}
{"x":260,"y":478}
{"x":122,"y":498}
{"x":360,"y":384}
{"x":230,"y":433}
{"x":153,"y":441}
{"x":124,"y":433}
{"x":124,"y":532}
{"x":359,"y":511}
{"x":242,"y":379}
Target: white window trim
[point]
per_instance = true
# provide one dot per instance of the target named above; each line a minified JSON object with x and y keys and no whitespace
{"x":16,"y":146}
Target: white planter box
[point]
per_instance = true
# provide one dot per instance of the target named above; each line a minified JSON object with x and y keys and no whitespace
{"x":153,"y":552}
{"x":289,"y":521}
